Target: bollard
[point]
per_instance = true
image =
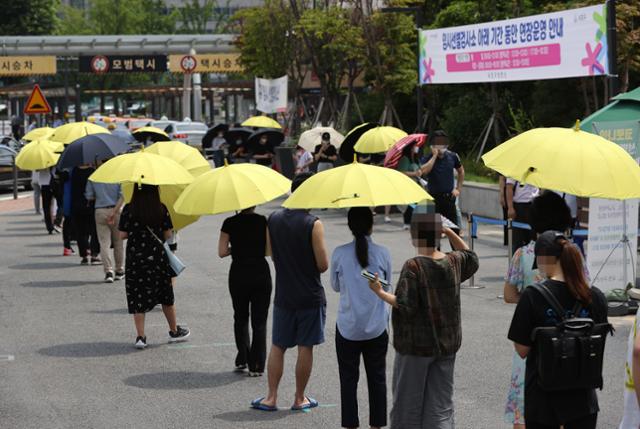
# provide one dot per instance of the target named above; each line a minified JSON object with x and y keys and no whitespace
{"x":510,"y":237}
{"x":472,"y":280}
{"x":14,"y":171}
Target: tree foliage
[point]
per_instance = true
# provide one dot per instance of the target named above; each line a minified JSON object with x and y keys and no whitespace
{"x":196,"y":15}
{"x":28,"y":17}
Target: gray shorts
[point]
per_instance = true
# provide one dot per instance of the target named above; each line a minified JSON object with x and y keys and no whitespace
{"x":298,"y":327}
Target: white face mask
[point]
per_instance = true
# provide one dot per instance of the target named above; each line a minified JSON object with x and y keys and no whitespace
{"x":416,"y":149}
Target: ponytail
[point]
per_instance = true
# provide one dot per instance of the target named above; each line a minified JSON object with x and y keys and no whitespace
{"x":573,"y":270}
{"x":360,"y":221}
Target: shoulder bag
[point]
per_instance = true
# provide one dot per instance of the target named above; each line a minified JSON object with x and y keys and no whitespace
{"x":177,"y":266}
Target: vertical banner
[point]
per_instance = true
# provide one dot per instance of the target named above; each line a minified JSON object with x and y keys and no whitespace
{"x":548,"y":46}
{"x":609,"y":220}
{"x":271,"y":94}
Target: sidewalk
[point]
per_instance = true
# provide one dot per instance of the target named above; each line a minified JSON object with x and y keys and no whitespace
{"x":9,"y":205}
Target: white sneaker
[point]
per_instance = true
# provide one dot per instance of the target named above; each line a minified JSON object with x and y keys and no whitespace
{"x":141,"y":343}
{"x":405,"y":227}
{"x":387,"y":219}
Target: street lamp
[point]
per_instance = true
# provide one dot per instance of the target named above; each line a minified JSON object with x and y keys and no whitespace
{"x":419,"y":17}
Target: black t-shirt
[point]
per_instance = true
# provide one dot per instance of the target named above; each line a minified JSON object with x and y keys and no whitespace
{"x":247,"y":235}
{"x":330,"y":151}
{"x":79,"y":203}
{"x":552,"y":408}
{"x":262,"y":149}
{"x":440,"y":178}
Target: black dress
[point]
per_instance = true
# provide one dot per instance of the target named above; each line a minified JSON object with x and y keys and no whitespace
{"x":147,"y":270}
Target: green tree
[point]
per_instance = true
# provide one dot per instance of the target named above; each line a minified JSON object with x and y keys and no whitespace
{"x":28,"y":17}
{"x":195,"y":16}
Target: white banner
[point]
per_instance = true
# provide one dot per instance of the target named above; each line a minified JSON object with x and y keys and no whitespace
{"x":554,"y":45}
{"x":271,"y":95}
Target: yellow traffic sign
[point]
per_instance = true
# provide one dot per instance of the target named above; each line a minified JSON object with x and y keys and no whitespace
{"x":37,"y":103}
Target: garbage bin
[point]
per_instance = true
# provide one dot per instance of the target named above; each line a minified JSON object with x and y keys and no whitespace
{"x":284,"y":159}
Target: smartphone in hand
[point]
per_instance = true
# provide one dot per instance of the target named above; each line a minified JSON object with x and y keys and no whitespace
{"x":371,"y":276}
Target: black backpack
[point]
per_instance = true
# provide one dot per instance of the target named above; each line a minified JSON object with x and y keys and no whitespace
{"x":570,"y":354}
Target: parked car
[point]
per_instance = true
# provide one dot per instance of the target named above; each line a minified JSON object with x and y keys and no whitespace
{"x":7,"y":155}
{"x":190,"y":133}
{"x":11,"y":143}
{"x":136,"y":123}
{"x":163,"y":124}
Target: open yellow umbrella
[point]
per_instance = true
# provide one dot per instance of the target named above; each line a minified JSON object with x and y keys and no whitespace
{"x":231,"y":187}
{"x":379,"y":139}
{"x":188,"y":157}
{"x":261,"y":122}
{"x":39,"y":154}
{"x":151,"y":133}
{"x":38,"y":133}
{"x":67,"y":133}
{"x":356,"y":185}
{"x":142,"y":168}
{"x":568,"y":160}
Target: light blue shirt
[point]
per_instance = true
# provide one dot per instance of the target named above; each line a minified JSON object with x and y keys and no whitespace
{"x":361,"y":314}
{"x":105,"y":194}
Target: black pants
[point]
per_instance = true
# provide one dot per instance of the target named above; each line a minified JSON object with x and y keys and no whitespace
{"x":588,"y":422}
{"x":505,"y":229}
{"x":67,"y":231}
{"x":250,"y":288}
{"x":85,"y":229}
{"x":446,"y":206}
{"x":521,"y":237}
{"x":408,"y":213}
{"x":374,"y":353}
{"x":47,"y":197}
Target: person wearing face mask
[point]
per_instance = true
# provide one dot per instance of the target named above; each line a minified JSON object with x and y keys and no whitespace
{"x":325,"y":154}
{"x":263,"y":153}
{"x":408,"y":165}
{"x":439,"y":167}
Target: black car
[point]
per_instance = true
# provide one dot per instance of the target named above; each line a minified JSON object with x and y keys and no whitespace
{"x":7,"y":156}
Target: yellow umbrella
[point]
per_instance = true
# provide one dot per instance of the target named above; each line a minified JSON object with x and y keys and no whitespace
{"x":187,"y":156}
{"x":39,"y":154}
{"x":38,"y":133}
{"x":379,"y":139}
{"x":232,"y":187}
{"x":261,"y":122}
{"x":568,"y":160}
{"x":356,"y":185}
{"x":151,"y":130}
{"x":142,"y":168}
{"x":67,"y":133}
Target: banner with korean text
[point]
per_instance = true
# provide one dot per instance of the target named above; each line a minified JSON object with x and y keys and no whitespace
{"x":271,"y":94}
{"x":27,"y":65}
{"x":555,"y":45}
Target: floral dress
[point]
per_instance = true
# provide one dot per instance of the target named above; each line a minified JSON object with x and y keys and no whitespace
{"x":147,"y":270}
{"x":521,"y":274}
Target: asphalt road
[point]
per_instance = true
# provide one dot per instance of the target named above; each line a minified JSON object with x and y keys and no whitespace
{"x":67,"y":361}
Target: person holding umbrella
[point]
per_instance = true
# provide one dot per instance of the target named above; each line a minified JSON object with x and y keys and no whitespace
{"x":325,"y":154}
{"x":409,"y":165}
{"x":245,"y":238}
{"x":263,"y":153}
{"x":83,"y":215}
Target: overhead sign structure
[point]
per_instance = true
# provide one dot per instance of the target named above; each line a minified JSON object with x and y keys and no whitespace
{"x":101,"y":64}
{"x":37,"y":102}
{"x":27,"y":65}
{"x":563,"y":44}
{"x":210,"y":63}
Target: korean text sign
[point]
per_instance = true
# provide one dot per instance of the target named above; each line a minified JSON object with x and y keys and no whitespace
{"x":123,"y":63}
{"x":563,"y":44}
{"x":24,"y":65}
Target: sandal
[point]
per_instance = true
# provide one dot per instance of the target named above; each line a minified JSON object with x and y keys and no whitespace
{"x":257,"y":404}
{"x":311,"y":404}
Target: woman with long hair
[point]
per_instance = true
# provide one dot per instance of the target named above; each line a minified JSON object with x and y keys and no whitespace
{"x":362,"y":320}
{"x":560,"y":261}
{"x":145,"y":224}
{"x":548,"y":212}
{"x":245,"y":238}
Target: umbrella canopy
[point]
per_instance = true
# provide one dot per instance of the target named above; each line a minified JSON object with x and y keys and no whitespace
{"x":154,"y":134}
{"x":39,"y":154}
{"x":261,"y":122}
{"x":625,"y":107}
{"x":142,"y":168}
{"x":235,"y":134}
{"x":568,"y":160}
{"x":90,"y":149}
{"x":68,"y":133}
{"x":350,"y":140}
{"x":274,"y":138}
{"x":356,"y":185}
{"x":378,"y":139}
{"x":313,"y":137}
{"x":394,"y":155}
{"x":212,"y":133}
{"x":231,"y":187}
{"x":169,"y":194}
{"x":38,"y":133}
{"x":187,"y":156}
{"x":124,"y":134}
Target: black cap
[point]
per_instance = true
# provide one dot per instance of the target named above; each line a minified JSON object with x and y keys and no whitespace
{"x":547,"y":245}
{"x":326,"y":136}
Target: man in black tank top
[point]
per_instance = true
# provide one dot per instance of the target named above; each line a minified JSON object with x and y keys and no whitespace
{"x":299,"y":311}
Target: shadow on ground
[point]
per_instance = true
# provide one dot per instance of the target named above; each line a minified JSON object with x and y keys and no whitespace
{"x":56,"y":283}
{"x":42,"y":266}
{"x":47,"y":244}
{"x":114,"y":311}
{"x":254,"y":416}
{"x":88,"y":350}
{"x":182,"y":380}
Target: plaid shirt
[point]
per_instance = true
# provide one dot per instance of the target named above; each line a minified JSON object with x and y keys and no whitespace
{"x":426,"y":321}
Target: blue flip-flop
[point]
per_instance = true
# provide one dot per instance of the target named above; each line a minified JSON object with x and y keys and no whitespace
{"x":257,"y":404}
{"x":312,"y":404}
